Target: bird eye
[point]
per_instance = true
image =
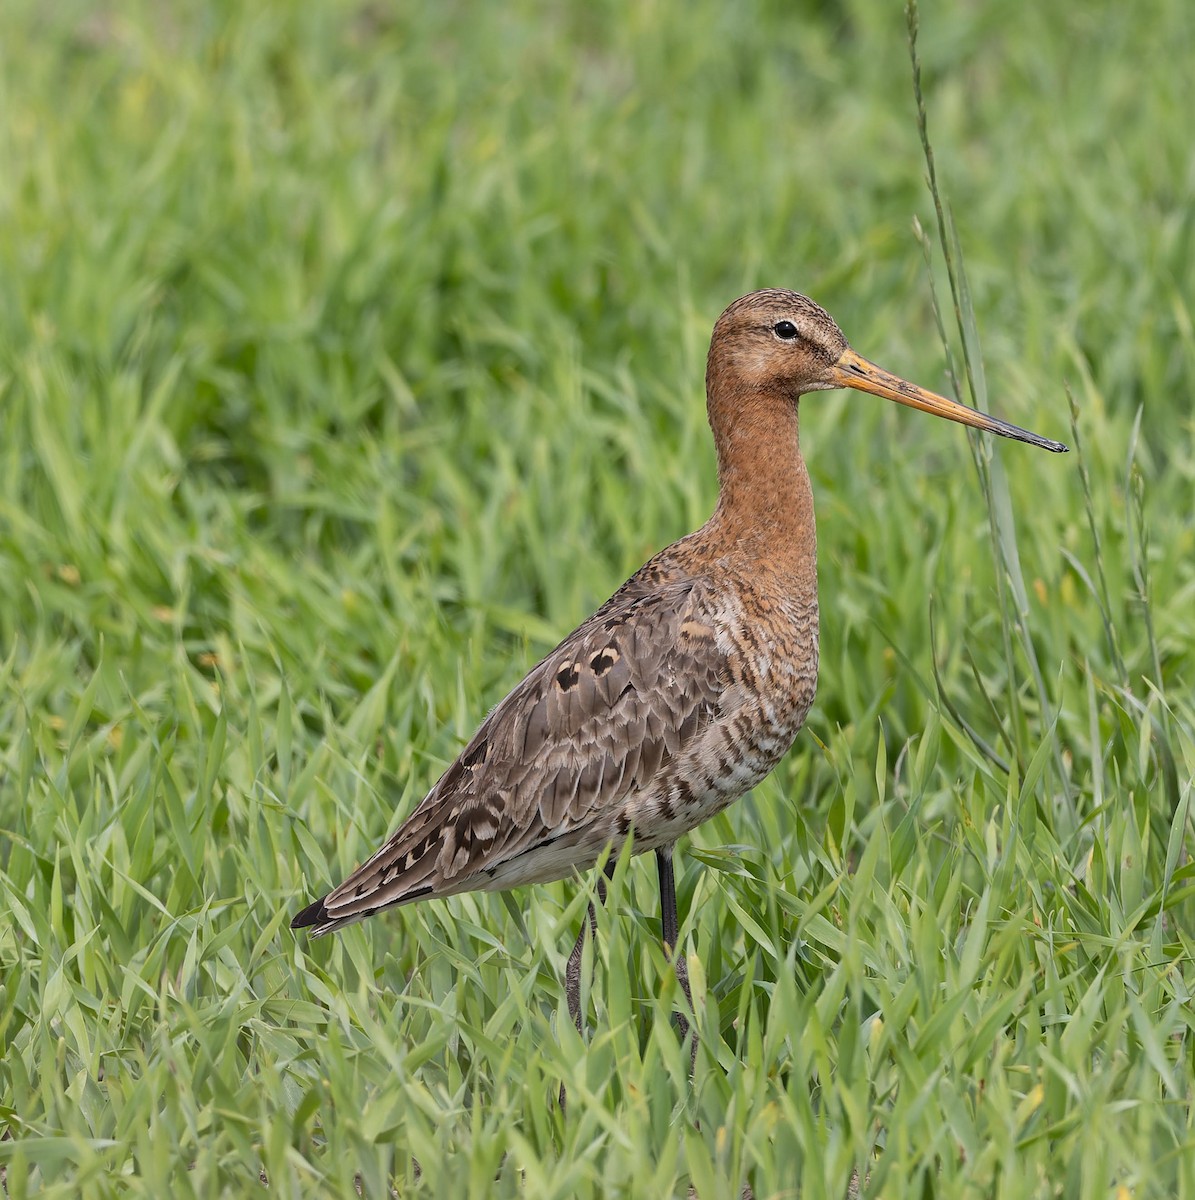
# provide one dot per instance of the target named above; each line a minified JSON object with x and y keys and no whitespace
{"x":785,"y":329}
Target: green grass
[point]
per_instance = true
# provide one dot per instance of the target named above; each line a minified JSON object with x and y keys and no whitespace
{"x":350,"y":354}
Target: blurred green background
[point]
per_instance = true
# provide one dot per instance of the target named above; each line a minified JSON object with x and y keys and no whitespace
{"x":350,"y":354}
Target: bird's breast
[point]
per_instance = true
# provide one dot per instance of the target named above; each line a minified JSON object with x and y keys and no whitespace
{"x":771,"y":649}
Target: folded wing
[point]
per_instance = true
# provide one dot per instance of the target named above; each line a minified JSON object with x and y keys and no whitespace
{"x":603,"y":716}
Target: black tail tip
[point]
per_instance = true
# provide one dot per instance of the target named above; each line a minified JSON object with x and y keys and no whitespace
{"x":313,"y":914}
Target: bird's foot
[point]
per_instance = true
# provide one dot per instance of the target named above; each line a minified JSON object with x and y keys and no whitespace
{"x":685,"y":1029}
{"x":572,"y":979}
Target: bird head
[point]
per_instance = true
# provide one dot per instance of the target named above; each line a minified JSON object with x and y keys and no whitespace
{"x":782,"y":342}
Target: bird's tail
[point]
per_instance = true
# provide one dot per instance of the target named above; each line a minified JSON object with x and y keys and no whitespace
{"x":406,"y":868}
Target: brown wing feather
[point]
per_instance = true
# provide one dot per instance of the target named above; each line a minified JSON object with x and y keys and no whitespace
{"x":593,"y":722}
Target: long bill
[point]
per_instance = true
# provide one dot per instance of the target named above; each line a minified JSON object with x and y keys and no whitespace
{"x":854,"y":371}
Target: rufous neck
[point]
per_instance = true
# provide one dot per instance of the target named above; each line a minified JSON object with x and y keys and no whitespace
{"x":765,"y":501}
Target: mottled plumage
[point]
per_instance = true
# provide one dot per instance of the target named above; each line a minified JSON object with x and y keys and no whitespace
{"x":687,"y":686}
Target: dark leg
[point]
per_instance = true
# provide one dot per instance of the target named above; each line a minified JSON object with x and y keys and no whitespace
{"x":671,"y":930}
{"x":668,"y":917}
{"x":572,"y":972}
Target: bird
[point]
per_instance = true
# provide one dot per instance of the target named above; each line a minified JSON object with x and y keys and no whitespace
{"x":684,"y":689}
